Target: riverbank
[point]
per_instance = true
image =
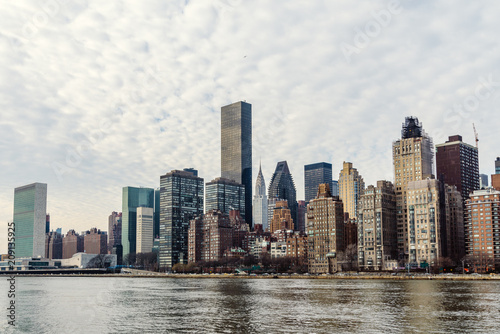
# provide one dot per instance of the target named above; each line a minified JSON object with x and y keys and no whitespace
{"x":340,"y":276}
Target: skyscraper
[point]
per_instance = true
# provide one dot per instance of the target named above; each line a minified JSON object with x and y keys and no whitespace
{"x":377,"y":226}
{"x":181,"y":200}
{"x":351,"y":186}
{"x":132,"y":199}
{"x":30,"y":214}
{"x":236,"y":149}
{"x":497,"y":166}
{"x":457,"y":165}
{"x":282,"y":186}
{"x":145,"y":227}
{"x":225,"y":195}
{"x":325,"y":219}
{"x":260,"y":202}
{"x":282,"y":218}
{"x":156,"y":228}
{"x":314,"y":175}
{"x":483,"y":180}
{"x":483,"y":232}
{"x":114,"y":230}
{"x":413,"y":158}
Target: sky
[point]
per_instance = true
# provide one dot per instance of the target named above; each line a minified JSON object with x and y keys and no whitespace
{"x":95,"y":96}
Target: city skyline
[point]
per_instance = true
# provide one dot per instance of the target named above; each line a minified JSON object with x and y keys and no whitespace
{"x":135,"y":118}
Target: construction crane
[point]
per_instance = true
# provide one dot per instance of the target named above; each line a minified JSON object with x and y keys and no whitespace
{"x":476,"y":136}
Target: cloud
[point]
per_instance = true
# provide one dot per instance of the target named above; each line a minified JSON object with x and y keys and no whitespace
{"x":121,"y":92}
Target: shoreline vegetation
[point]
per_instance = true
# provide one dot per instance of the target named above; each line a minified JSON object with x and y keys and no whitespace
{"x":338,"y":276}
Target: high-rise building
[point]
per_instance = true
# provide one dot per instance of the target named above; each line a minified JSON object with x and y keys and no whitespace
{"x":453,"y":230}
{"x":181,"y":200}
{"x":47,"y":223}
{"x":282,"y":186}
{"x":457,"y":165}
{"x":132,"y":199}
{"x":335,"y":188}
{"x":156,"y":228}
{"x":314,"y":175}
{"x":325,"y":219}
{"x":145,"y":227}
{"x":483,"y":230}
{"x":260,"y":202}
{"x":497,"y":166}
{"x":483,"y":180}
{"x":95,"y":242}
{"x":301,"y":216}
{"x":72,"y":243}
{"x":53,"y":246}
{"x":282,"y":218}
{"x":236,"y":149}
{"x":30,"y":217}
{"x":351,"y":186}
{"x":225,"y":195}
{"x":271,"y":204}
{"x":114,"y":230}
{"x":413,"y":158}
{"x":377,"y":226}
{"x":495,"y":181}
{"x":210,"y":236}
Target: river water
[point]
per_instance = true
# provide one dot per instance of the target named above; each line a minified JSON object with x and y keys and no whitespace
{"x":158,"y":305}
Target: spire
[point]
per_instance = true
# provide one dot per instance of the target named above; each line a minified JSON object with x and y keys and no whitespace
{"x":260,"y":186}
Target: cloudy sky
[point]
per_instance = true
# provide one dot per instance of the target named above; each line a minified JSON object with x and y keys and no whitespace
{"x":99,"y":95}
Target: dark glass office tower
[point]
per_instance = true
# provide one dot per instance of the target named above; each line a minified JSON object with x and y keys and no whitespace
{"x":225,"y":195}
{"x":181,"y":199}
{"x":132,"y":199}
{"x":236,"y":149}
{"x":156,"y":226}
{"x":497,"y":166}
{"x":314,"y":175}
{"x":282,"y":186}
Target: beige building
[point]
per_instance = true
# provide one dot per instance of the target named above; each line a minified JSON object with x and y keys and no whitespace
{"x":325,"y":219}
{"x":351,"y":187}
{"x":145,"y":225}
{"x":282,"y":217}
{"x":413,"y":158}
{"x":377,"y":227}
{"x":424,"y":217}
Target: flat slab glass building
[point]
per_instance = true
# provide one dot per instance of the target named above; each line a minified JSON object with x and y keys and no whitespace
{"x":30,"y":209}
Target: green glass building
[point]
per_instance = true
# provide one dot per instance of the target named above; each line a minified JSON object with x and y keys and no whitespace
{"x":132,"y":199}
{"x":30,"y":209}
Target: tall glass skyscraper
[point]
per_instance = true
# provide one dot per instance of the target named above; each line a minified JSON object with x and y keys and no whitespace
{"x":225,"y":195}
{"x":236,"y":149}
{"x":181,"y":199}
{"x":131,"y":200}
{"x":282,"y":186}
{"x":314,"y":175}
{"x":30,"y":209}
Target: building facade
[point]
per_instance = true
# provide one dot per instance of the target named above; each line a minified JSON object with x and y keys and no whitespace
{"x":114,"y":230}
{"x":413,"y":159}
{"x":351,"y":187}
{"x":483,"y":230}
{"x":325,"y":219}
{"x":181,"y":200}
{"x":457,"y":165}
{"x":301,"y":216}
{"x":145,"y":230}
{"x":497,"y":165}
{"x":236,"y":148}
{"x":377,"y":226}
{"x":282,"y":218}
{"x":30,"y":214}
{"x":225,"y":195}
{"x":260,"y":202}
{"x":54,"y":245}
{"x":282,"y":186}
{"x":95,"y":242}
{"x":132,"y":199}
{"x":483,"y":181}
{"x":495,"y":181}
{"x":72,"y":243}
{"x":314,"y":175}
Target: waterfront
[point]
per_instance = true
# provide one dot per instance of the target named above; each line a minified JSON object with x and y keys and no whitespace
{"x":157,"y":305}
